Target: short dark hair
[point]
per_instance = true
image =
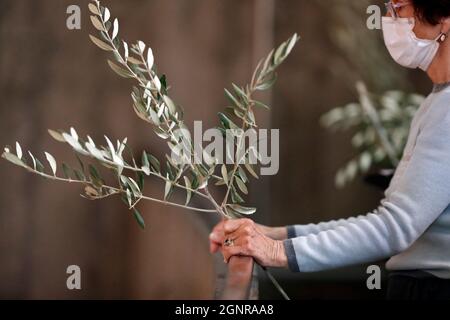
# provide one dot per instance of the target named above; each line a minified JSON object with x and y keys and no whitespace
{"x":432,"y":11}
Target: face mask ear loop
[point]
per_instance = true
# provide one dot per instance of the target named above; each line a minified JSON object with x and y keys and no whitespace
{"x":442,"y":37}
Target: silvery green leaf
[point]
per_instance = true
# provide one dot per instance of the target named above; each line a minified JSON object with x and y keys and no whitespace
{"x":94,"y":151}
{"x":110,"y":145}
{"x":129,"y":197}
{"x":172,"y":125}
{"x":95,"y":176}
{"x":235,"y":197}
{"x":267,"y":62}
{"x":291,"y":43}
{"x":66,"y":170}
{"x":160,"y":133}
{"x":278,"y":57}
{"x":170,"y":104}
{"x":241,"y":185}
{"x":91,"y":141}
{"x":261,"y":105}
{"x":106,"y":15}
{"x":134,"y":187}
{"x":126,"y":52}
{"x":73,"y":143}
{"x":144,"y":159}
{"x":18,"y":150}
{"x":249,"y":168}
{"x":115,"y":29}
{"x":93,"y":8}
{"x":240,"y":92}
{"x":188,"y":190}
{"x":101,"y":44}
{"x":121,"y":146}
{"x":39,"y":165}
{"x":155,"y":165}
{"x":154,"y":117}
{"x":141,"y":46}
{"x":13,"y":159}
{"x":140,"y":180}
{"x":162,"y":106}
{"x":139,"y":218}
{"x":33,"y":159}
{"x":7,"y":150}
{"x":96,"y":23}
{"x":175,"y":148}
{"x":134,"y":60}
{"x":157,"y":83}
{"x":51,"y":161}
{"x":267,"y":84}
{"x":224,"y":173}
{"x":150,"y":58}
{"x":220,"y":182}
{"x":241,"y":209}
{"x":119,"y":70}
{"x":167,"y":189}
{"x":242,"y":174}
{"x":233,"y":99}
{"x":149,"y":102}
{"x":79,"y":175}
{"x":203,"y":183}
{"x":56,"y":135}
{"x":73,"y":133}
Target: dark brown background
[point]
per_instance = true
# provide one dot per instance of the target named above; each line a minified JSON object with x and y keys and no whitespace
{"x":51,"y":77}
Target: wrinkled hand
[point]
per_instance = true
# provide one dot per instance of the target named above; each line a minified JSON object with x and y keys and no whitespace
{"x":217,"y":237}
{"x":248,"y":239}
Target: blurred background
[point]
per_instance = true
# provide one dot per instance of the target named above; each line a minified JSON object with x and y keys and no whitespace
{"x":52,"y":77}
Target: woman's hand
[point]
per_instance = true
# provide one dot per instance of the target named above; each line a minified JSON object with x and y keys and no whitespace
{"x":244,"y":237}
{"x":217,"y":236}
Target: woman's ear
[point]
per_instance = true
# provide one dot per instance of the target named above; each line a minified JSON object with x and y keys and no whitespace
{"x":445,"y":25}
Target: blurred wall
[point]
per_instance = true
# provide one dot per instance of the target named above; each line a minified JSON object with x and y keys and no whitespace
{"x":51,"y":77}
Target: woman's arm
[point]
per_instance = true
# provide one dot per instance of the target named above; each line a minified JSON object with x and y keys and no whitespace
{"x":420,"y":195}
{"x":300,"y":230}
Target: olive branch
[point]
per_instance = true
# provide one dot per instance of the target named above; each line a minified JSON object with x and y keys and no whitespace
{"x":152,"y":103}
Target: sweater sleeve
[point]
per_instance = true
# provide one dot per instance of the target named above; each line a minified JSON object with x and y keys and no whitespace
{"x":299,"y":230}
{"x":420,"y":195}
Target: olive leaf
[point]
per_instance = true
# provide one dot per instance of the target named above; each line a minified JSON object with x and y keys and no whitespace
{"x":101,"y":44}
{"x":51,"y":160}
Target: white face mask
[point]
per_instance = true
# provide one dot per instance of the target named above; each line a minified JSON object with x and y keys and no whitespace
{"x":403,"y":45}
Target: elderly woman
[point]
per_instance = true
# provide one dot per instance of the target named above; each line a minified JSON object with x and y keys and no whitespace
{"x":412,"y":223}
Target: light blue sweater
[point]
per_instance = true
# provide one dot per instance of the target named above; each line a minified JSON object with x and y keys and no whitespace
{"x":412,"y":223}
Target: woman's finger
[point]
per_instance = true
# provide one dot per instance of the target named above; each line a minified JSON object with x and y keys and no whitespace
{"x":213,"y":247}
{"x":232,"y":225}
{"x":228,"y":252}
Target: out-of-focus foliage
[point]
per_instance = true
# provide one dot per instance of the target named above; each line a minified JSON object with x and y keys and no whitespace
{"x":381,"y":126}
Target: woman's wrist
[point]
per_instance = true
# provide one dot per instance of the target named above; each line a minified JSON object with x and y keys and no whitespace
{"x":279,"y":255}
{"x":275,"y":233}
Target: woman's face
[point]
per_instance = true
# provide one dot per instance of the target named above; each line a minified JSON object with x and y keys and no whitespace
{"x":422,"y":29}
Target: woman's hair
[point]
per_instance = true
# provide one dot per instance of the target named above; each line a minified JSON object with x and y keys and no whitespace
{"x":432,"y":11}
